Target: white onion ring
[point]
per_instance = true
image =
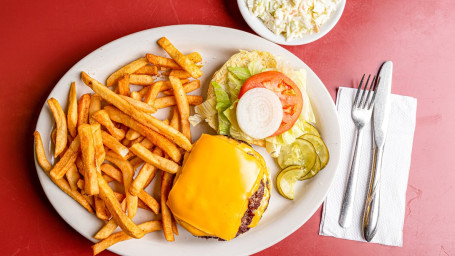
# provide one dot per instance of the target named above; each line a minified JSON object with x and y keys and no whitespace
{"x":259,"y":113}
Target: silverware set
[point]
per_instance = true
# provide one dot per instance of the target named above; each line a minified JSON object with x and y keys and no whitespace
{"x":371,"y":102}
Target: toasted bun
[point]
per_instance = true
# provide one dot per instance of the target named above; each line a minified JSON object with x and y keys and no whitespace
{"x":224,"y":195}
{"x":241,"y":59}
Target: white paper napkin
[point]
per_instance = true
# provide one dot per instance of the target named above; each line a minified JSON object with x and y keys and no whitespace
{"x":394,"y":178}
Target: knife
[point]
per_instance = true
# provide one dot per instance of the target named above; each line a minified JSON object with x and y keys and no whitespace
{"x":381,"y":114}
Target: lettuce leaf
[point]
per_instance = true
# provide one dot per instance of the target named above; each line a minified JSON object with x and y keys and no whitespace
{"x":241,"y":73}
{"x":222,"y":103}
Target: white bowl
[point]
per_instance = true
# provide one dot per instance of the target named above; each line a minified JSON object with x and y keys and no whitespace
{"x":258,"y":26}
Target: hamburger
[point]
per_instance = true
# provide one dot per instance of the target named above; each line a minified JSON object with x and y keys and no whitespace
{"x":242,"y":72}
{"x":222,"y":190}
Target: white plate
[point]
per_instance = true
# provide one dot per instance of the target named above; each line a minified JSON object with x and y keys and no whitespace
{"x":258,"y":26}
{"x":216,"y":45}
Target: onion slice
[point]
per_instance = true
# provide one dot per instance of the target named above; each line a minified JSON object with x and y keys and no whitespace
{"x":259,"y":113}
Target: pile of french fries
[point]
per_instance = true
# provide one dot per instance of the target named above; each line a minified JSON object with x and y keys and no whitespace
{"x":106,"y":136}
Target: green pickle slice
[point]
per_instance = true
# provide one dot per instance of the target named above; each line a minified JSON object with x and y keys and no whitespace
{"x":310,"y":174}
{"x":286,"y":180}
{"x":301,"y":153}
{"x":320,"y":147}
{"x":310,"y":129}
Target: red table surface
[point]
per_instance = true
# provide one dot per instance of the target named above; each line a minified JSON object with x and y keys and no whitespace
{"x":41,"y":40}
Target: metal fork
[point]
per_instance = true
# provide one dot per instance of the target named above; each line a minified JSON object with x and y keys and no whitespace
{"x":361,"y":115}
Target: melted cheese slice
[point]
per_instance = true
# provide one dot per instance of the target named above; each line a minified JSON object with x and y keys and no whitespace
{"x":212,"y":191}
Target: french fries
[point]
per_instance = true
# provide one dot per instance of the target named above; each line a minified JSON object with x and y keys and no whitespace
{"x":113,"y":144}
{"x":187,"y":87}
{"x":72,"y":175}
{"x":127,"y":69}
{"x":88,"y":157}
{"x":168,"y":101}
{"x":95,"y":105}
{"x":83,"y":107}
{"x":60,"y":120}
{"x":144,"y":80}
{"x":139,"y":105}
{"x":182,"y":104}
{"x":124,"y":85}
{"x":72,"y":110}
{"x":98,"y":143}
{"x":155,"y":160}
{"x":112,"y":172}
{"x":150,"y":201}
{"x":152,"y":93}
{"x":70,"y":155}
{"x":147,"y":70}
{"x":164,"y":62}
{"x":180,"y":74}
{"x":103,"y":118}
{"x":179,"y":58}
{"x":144,"y":176}
{"x":166,"y":182}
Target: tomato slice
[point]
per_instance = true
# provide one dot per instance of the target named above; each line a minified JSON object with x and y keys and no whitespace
{"x":286,"y":90}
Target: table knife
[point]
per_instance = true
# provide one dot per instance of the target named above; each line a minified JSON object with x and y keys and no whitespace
{"x":381,"y":114}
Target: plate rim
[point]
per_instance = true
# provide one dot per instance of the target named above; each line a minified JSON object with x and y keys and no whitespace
{"x":252,"y":250}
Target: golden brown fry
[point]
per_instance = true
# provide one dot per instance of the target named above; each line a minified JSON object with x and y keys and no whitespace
{"x":143,"y":118}
{"x":150,"y":201}
{"x":72,"y":175}
{"x":136,"y":95}
{"x":127,"y":173}
{"x":180,"y":73}
{"x":188,"y":87}
{"x":127,"y":69}
{"x":83,"y":107}
{"x":61,"y":183}
{"x":195,"y":57}
{"x":108,"y":179}
{"x":89,"y":159}
{"x":137,"y":140}
{"x":141,"y":79}
{"x":146,"y":227}
{"x":124,"y":85}
{"x":136,"y":162}
{"x":103,"y":118}
{"x":142,"y":177}
{"x":95,"y":105}
{"x":152,"y":93}
{"x":181,"y":59}
{"x":155,"y":160}
{"x":69,"y":157}
{"x":167,"y":146}
{"x":110,"y":226}
{"x":139,"y":105}
{"x":100,"y":209}
{"x":166,"y":182}
{"x":115,"y":209}
{"x":175,"y":121}
{"x":98,"y":143}
{"x":112,"y":172}
{"x":131,"y":134}
{"x":167,"y":63}
{"x":143,"y":91}
{"x":147,"y":70}
{"x":168,"y":101}
{"x":182,"y":104}
{"x":60,"y":120}
{"x":72,"y":110}
{"x":113,"y":144}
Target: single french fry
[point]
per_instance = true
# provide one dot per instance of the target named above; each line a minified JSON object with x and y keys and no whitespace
{"x":112,"y":172}
{"x":168,"y":101}
{"x":143,"y":91}
{"x":111,"y":225}
{"x":155,"y":160}
{"x":141,"y":79}
{"x":131,"y":134}
{"x":61,"y":183}
{"x":83,"y":107}
{"x":180,"y":73}
{"x":95,"y":105}
{"x":174,"y":227}
{"x":100,"y":209}
{"x":72,"y":175}
{"x":175,"y":121}
{"x":179,"y":58}
{"x":72,"y":110}
{"x":113,"y":144}
{"x":98,"y":143}
{"x":188,"y":87}
{"x":69,"y":157}
{"x":60,"y":120}
{"x":139,"y":105}
{"x":89,"y":159}
{"x":108,"y":179}
{"x":120,"y":197}
{"x":136,"y":96}
{"x":154,"y":137}
{"x":166,"y":182}
{"x":182,"y":104}
{"x":146,"y":227}
{"x":147,"y":70}
{"x":127,"y":69}
{"x":136,"y":162}
{"x":103,"y":118}
{"x":150,"y":201}
{"x":137,"y":140}
{"x":142,"y":177}
{"x":124,"y":85}
{"x":125,"y":223}
{"x":141,"y":117}
{"x":167,"y":63}
{"x":127,"y":173}
{"x":151,"y":94}
{"x":126,"y":142}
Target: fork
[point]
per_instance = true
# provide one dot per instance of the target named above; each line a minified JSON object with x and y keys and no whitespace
{"x":361,"y":115}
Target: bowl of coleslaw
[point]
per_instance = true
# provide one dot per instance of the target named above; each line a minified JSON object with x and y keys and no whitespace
{"x":291,"y":22}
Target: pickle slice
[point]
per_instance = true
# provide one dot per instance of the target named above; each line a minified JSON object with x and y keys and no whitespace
{"x":286,"y":180}
{"x":320,"y":147}
{"x":310,"y":129}
{"x":316,"y":168}
{"x":300,"y":152}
